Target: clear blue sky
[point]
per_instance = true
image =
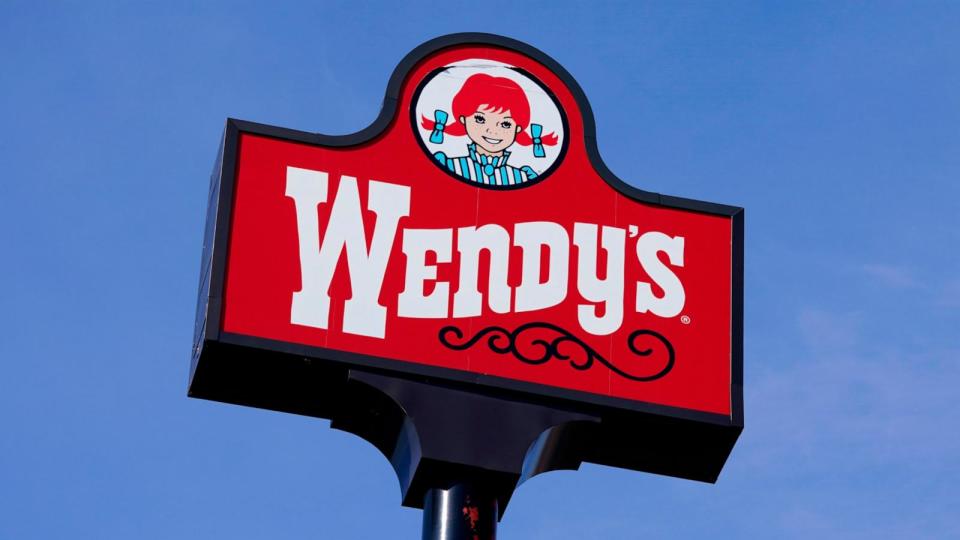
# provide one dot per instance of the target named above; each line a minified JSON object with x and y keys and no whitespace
{"x":837,"y":126}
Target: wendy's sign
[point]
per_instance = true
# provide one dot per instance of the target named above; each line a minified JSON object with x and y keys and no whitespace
{"x":472,"y":238}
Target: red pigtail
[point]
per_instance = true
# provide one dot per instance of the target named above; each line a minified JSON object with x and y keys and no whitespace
{"x":454,"y":129}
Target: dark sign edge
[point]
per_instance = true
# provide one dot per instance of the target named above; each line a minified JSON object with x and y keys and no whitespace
{"x":219,"y":213}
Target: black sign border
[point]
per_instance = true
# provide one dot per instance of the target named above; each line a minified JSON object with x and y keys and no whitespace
{"x":210,"y":379}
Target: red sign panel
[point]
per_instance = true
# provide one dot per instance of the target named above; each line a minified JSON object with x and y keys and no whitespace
{"x":474,"y":228}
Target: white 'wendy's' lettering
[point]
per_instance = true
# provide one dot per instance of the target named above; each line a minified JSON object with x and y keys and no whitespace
{"x":322,"y":248}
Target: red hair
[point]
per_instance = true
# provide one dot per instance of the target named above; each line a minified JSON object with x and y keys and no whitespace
{"x":497,"y":93}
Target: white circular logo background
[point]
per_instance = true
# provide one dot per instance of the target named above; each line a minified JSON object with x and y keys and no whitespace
{"x":438,"y":93}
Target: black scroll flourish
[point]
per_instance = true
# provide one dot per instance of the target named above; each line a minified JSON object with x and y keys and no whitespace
{"x":540,"y":351}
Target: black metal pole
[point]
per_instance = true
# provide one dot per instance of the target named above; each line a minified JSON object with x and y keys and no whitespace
{"x":463,"y":511}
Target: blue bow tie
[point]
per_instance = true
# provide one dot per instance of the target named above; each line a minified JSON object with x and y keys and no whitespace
{"x":487,"y":164}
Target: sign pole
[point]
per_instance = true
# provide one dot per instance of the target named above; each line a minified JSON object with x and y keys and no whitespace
{"x":464,"y":511}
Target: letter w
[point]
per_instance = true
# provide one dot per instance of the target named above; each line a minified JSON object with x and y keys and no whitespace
{"x":362,"y":314}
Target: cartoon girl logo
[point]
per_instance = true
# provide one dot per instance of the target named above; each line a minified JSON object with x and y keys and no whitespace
{"x":513,"y":126}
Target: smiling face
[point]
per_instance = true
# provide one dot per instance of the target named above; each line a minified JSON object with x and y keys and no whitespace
{"x":493,"y":131}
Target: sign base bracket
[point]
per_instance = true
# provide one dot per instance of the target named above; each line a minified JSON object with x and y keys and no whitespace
{"x":440,"y":437}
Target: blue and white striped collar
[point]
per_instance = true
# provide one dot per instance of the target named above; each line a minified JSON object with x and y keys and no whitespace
{"x":484,"y":159}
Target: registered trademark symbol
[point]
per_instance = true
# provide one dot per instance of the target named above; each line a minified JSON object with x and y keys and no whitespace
{"x":685,"y":319}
